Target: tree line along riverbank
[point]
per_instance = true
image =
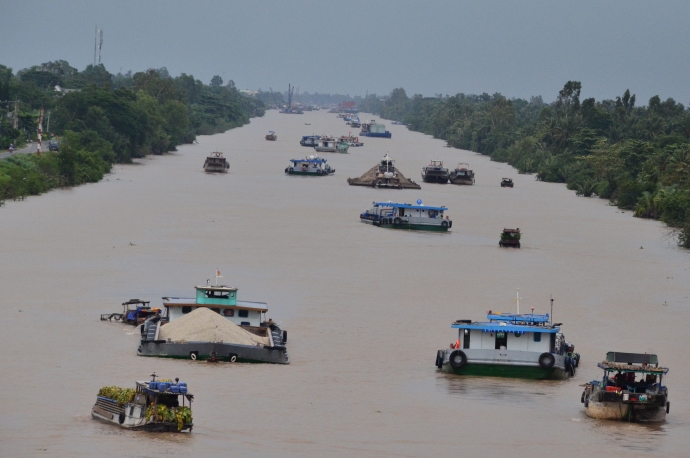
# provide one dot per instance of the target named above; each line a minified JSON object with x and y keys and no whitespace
{"x":102,"y":119}
{"x":638,"y":157}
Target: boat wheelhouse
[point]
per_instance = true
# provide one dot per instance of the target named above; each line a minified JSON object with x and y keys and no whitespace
{"x":435,"y":172}
{"x":509,"y":345}
{"x":220,"y":299}
{"x":630,"y":390}
{"x":311,"y":165}
{"x":310,"y":140}
{"x":216,"y":163}
{"x":373,"y":129}
{"x":406,"y":216}
{"x":156,"y":406}
{"x":462,"y":175}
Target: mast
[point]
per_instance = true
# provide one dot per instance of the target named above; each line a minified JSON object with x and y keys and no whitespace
{"x":100,"y":45}
{"x":95,"y":42}
{"x":517,"y":301}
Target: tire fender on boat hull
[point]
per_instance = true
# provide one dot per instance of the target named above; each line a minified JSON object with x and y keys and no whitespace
{"x":454,"y":355}
{"x":547,"y":360}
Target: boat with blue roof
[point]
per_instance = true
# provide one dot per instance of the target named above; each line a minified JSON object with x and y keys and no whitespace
{"x":510,"y":345}
{"x":631,"y":389}
{"x":310,"y":165}
{"x":407,"y":216}
{"x":310,"y":140}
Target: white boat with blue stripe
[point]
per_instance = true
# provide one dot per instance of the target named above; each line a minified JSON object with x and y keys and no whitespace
{"x":407,"y":216}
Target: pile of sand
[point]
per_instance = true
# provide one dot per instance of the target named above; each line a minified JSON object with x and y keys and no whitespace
{"x":205,"y":325}
{"x":370,"y":176}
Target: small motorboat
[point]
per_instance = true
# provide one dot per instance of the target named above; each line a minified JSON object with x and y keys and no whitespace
{"x":271,"y":136}
{"x":506,"y":183}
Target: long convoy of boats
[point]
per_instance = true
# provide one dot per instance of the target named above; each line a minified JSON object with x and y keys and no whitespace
{"x":215,"y":326}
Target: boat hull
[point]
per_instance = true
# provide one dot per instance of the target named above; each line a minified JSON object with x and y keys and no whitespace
{"x":439,"y":179}
{"x":408,"y":226}
{"x":223,"y":351}
{"x":314,"y":174}
{"x":625,"y":412}
{"x":507,"y":363}
{"x":462,"y":181}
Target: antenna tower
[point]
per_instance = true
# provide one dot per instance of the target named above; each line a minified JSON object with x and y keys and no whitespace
{"x":100,"y":45}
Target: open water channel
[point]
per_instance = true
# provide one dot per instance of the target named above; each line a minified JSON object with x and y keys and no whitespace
{"x":365,"y":308}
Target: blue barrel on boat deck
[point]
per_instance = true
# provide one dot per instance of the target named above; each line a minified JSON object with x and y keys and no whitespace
{"x":183,"y":387}
{"x":174,"y":389}
{"x":153,"y":385}
{"x":162,"y":386}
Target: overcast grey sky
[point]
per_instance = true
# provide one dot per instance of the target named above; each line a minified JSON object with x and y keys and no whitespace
{"x":517,"y":48}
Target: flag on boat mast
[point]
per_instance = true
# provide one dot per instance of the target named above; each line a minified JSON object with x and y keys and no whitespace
{"x":218,"y":275}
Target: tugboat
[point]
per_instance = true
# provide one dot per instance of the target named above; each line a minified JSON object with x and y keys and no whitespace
{"x":310,"y":140}
{"x":133,"y":315}
{"x":254,"y":339}
{"x":374,"y":130}
{"x":510,"y":237}
{"x":311,"y":165}
{"x":216,"y":163}
{"x":435,"y":172}
{"x":510,"y":345}
{"x":150,"y":406}
{"x":405,"y":216}
{"x":462,"y":175}
{"x":506,"y":183}
{"x":271,"y":136}
{"x":624,"y":396}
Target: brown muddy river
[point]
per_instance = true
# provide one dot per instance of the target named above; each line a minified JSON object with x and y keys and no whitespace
{"x":365,"y":308}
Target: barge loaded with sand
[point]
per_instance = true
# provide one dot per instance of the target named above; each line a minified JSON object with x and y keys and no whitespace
{"x":384,"y":175}
{"x":214,"y":326}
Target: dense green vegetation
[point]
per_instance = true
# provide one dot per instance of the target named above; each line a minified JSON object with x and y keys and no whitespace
{"x":102,"y":119}
{"x":636,"y":156}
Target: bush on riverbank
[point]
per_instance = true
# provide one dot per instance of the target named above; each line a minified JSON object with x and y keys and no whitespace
{"x":638,"y":157}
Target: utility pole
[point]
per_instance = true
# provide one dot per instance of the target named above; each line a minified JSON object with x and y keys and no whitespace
{"x":40,"y":132}
{"x":16,"y":114}
{"x":100,"y":45}
{"x":95,"y":41}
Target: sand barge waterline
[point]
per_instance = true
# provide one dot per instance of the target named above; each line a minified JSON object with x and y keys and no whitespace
{"x":370,"y":177}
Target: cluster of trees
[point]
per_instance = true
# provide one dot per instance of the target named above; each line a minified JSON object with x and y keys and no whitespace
{"x":103,"y":118}
{"x":636,"y":156}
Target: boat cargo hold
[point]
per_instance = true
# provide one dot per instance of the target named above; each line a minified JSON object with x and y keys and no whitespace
{"x":406,"y":216}
{"x":156,"y":406}
{"x":624,"y":396}
{"x":509,"y":345}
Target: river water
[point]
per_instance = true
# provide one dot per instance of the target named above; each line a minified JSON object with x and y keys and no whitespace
{"x":365,"y":308}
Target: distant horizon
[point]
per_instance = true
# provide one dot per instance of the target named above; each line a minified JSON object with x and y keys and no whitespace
{"x":518,"y":50}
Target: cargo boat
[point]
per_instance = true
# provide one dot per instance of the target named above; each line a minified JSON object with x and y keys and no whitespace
{"x":216,"y":163}
{"x":625,"y":397}
{"x":250,"y":316}
{"x":462,"y":175}
{"x":509,"y":345}
{"x":435,"y":172}
{"x":374,"y":130}
{"x":311,"y":165}
{"x":405,"y":216}
{"x":142,"y":410}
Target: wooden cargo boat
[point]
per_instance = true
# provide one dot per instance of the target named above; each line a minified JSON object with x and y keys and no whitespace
{"x":462,"y":175}
{"x":510,"y":237}
{"x":155,"y":406}
{"x":271,"y":136}
{"x":435,"y":172}
{"x":216,"y":163}
{"x":624,"y":396}
{"x":506,"y":183}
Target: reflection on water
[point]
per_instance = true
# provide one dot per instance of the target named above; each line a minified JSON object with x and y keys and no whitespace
{"x":497,"y":390}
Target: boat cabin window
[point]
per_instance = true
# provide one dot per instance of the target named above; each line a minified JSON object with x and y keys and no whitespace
{"x":537,"y":336}
{"x":466,"y":339}
{"x":217,"y":294}
{"x":432,"y":213}
{"x":186,"y":309}
{"x":245,"y":323}
{"x":501,"y":341}
{"x":243,"y":314}
{"x":229,"y":312}
{"x":401,"y":212}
